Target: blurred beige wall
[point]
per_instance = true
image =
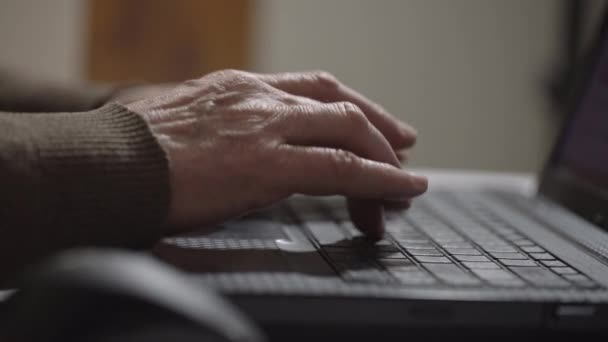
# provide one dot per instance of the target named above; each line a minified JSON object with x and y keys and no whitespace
{"x":468,"y":73}
{"x":42,"y":37}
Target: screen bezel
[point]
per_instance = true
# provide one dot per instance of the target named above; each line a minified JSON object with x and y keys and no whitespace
{"x":577,"y":195}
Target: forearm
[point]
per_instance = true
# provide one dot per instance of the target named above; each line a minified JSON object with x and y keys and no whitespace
{"x":78,"y":179}
{"x":22,"y":94}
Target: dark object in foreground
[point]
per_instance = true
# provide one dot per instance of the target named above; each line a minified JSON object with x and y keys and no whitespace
{"x":118,"y":296}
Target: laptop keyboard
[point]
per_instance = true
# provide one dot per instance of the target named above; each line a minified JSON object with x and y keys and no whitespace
{"x":475,"y":248}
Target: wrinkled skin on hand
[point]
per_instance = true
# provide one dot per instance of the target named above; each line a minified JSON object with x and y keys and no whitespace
{"x":239,"y":141}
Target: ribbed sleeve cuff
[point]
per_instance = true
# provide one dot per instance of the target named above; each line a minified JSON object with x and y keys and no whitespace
{"x":103,"y":177}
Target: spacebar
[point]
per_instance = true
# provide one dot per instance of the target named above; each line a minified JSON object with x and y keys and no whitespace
{"x":325,"y":232}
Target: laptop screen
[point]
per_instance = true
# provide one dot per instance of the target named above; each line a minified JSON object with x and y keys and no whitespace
{"x":577,"y":174}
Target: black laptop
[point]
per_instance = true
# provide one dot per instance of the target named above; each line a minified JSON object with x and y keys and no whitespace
{"x":489,"y":260}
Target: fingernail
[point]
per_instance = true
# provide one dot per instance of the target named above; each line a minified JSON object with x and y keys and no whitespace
{"x":421,"y":183}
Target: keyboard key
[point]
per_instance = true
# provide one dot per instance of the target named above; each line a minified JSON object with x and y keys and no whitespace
{"x":553,"y":263}
{"x":498,"y":277}
{"x":390,"y":255}
{"x":533,"y":249}
{"x":433,"y":259}
{"x":523,"y":243}
{"x":471,"y":258}
{"x":399,"y":226}
{"x":517,"y":262}
{"x":503,"y":230}
{"x":499,"y":249}
{"x":365,"y":245}
{"x":540,"y":276}
{"x":351,"y":230}
{"x":345,"y":257}
{"x":463,"y":251}
{"x":354,"y":264}
{"x":401,"y":237}
{"x":308,"y":210}
{"x":577,"y":277}
{"x":564,"y":270}
{"x":451,"y":274}
{"x":456,"y":244}
{"x":415,"y":242}
{"x":379,"y":249}
{"x":338,"y":249}
{"x":383,"y":242}
{"x":426,"y":245}
{"x":403,"y":268}
{"x":411,"y":235}
{"x":428,"y":252}
{"x":448,"y":239}
{"x":337,"y":211}
{"x":542,"y":256}
{"x":514,"y":236}
{"x":393,"y":263}
{"x":485,"y":238}
{"x":514,"y":256}
{"x":326,"y":232}
{"x":484,"y":265}
{"x":395,"y":224}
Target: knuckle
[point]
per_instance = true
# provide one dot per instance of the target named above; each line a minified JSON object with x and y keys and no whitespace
{"x":235,"y":79}
{"x":344,"y":164}
{"x":231,"y":73}
{"x":279,"y":117}
{"x":288,"y":99}
{"x":325,"y":79}
{"x":230,"y":76}
{"x":354,"y":115}
{"x":191,"y":83}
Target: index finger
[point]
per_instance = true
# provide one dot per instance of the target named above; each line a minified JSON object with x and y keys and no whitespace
{"x":321,"y":171}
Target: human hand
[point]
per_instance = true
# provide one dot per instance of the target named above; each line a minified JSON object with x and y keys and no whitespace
{"x":239,"y":141}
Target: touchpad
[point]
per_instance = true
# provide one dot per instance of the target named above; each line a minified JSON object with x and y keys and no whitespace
{"x":250,"y":228}
{"x":245,"y":244}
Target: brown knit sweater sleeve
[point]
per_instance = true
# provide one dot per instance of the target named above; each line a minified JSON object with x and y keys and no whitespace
{"x":74,"y":179}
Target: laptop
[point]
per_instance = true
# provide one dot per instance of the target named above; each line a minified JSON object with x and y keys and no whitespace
{"x":492,"y":260}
